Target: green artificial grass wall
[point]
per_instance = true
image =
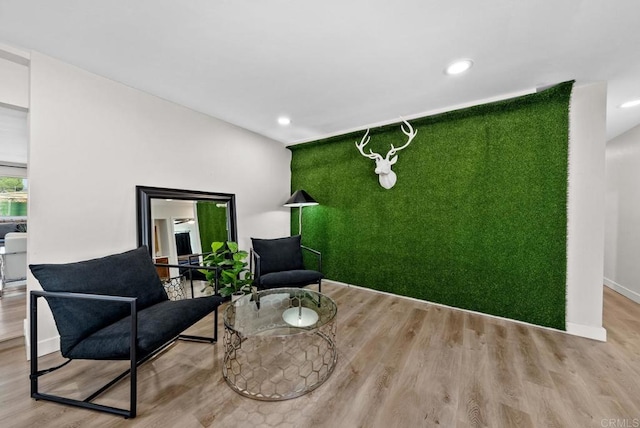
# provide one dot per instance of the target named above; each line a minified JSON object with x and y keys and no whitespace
{"x":476,"y":220}
{"x":212,"y":223}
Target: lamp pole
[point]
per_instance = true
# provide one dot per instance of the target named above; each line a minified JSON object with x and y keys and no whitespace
{"x":300,"y":220}
{"x":300,"y":199}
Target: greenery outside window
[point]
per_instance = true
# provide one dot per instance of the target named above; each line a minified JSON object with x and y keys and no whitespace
{"x":13,"y":198}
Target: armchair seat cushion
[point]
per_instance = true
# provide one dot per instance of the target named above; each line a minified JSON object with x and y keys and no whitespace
{"x":295,"y":278}
{"x":157,"y":323}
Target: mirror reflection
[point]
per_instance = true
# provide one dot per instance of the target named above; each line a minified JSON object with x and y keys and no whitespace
{"x":178,"y":227}
{"x":184,"y":230}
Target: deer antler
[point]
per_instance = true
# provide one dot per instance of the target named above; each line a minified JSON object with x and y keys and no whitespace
{"x":363,"y":143}
{"x":409,"y":133}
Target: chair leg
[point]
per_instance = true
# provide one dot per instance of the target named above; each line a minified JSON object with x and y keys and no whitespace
{"x":133,"y":357}
{"x":86,"y":403}
{"x":204,"y":339}
{"x":215,"y":326}
{"x":132,"y":372}
{"x":33,"y":333}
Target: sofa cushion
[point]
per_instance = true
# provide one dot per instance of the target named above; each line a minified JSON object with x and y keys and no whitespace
{"x":128,"y":274}
{"x":280,"y":254}
{"x":157,"y":325}
{"x":7,"y":228}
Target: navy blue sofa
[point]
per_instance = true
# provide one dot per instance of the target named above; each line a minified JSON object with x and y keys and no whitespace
{"x":112,"y":308}
{"x":11,"y":227}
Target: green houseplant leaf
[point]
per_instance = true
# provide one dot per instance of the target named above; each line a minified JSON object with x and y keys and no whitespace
{"x":216,"y":247}
{"x":231,"y":265}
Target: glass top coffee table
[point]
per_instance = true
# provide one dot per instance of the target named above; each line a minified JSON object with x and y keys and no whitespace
{"x":279,"y":343}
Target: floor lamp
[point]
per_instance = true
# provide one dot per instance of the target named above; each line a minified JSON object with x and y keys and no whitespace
{"x":300,"y":199}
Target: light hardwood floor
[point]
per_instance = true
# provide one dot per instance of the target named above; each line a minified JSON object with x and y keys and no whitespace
{"x":402,"y":363}
{"x":12,"y":313}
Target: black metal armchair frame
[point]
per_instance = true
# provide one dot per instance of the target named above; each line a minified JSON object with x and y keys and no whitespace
{"x":319,"y":257}
{"x":213,"y":339}
{"x":87,"y":403}
{"x":255,"y":258}
{"x":192,"y":264}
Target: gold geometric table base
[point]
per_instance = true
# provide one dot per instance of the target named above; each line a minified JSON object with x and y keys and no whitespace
{"x":267,"y":359}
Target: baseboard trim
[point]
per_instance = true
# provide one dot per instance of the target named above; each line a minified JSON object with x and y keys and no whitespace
{"x":590,"y":332}
{"x":46,"y":346}
{"x":630,"y":294}
{"x":595,"y":333}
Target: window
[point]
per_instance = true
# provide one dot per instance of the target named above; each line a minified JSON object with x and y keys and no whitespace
{"x":13,"y":198}
{"x":13,"y":165}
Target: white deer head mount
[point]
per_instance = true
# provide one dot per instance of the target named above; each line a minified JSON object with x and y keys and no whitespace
{"x":386,"y":177}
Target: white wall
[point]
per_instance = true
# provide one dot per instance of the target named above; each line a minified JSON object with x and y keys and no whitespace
{"x":585,"y":228}
{"x":622,"y":221}
{"x":92,"y":140}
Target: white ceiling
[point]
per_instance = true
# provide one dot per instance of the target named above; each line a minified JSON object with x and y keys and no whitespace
{"x":337,"y":65}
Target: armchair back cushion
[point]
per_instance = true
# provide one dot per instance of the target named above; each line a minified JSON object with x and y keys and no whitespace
{"x":280,"y":254}
{"x":128,"y":274}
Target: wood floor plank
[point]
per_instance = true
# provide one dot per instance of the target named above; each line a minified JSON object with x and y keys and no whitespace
{"x":13,"y":311}
{"x":401,"y":363}
{"x":502,"y":367}
{"x":545,"y":407}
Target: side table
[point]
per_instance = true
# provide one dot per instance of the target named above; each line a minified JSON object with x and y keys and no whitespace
{"x":279,"y":343}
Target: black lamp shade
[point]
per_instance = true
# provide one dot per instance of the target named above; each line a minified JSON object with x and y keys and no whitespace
{"x":300,"y":198}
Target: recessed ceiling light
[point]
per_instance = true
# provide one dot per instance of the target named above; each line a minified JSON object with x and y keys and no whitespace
{"x":459,"y":66}
{"x":632,"y":103}
{"x":284,"y":120}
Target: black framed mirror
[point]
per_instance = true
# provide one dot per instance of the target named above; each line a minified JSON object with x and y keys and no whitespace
{"x":165,"y":213}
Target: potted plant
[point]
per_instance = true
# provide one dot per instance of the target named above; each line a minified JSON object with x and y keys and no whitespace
{"x":233,"y":275}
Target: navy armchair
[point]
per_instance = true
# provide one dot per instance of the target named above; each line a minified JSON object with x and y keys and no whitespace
{"x":111,"y":308}
{"x":279,"y":263}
